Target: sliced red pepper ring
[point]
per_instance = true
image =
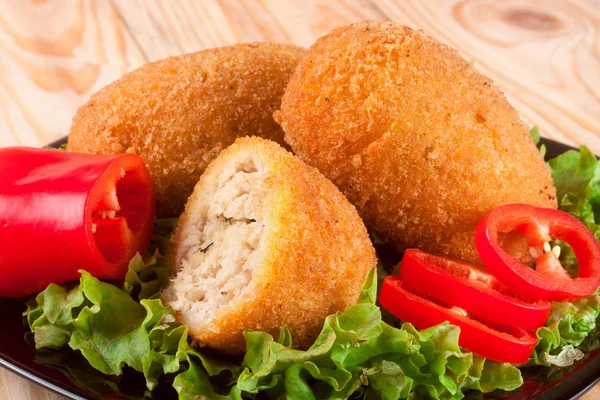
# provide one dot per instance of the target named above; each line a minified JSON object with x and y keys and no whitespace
{"x":549,"y":281}
{"x":471,"y":288}
{"x":62,"y":211}
{"x":498,"y":343}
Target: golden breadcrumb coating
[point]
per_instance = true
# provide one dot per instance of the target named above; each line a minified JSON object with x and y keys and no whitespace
{"x":177,"y":114}
{"x":311,"y":259}
{"x":421,"y":143}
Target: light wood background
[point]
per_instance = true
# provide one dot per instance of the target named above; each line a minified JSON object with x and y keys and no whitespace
{"x":545,"y":55}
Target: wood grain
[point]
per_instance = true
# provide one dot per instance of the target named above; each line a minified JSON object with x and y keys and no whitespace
{"x":53,"y":55}
{"x":14,"y":387}
{"x":545,"y":55}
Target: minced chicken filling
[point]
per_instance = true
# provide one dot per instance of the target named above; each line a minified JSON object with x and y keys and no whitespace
{"x":218,"y":266}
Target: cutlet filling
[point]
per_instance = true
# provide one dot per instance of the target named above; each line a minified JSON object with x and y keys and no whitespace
{"x":217,"y":267}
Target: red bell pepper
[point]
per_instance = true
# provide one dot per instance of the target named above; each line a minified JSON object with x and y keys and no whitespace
{"x":548,"y":281}
{"x":62,"y":211}
{"x":469,"y":287}
{"x":492,"y":341}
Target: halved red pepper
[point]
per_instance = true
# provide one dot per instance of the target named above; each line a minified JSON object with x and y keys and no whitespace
{"x":62,"y":211}
{"x":469,"y":287}
{"x":548,"y":281}
{"x":492,"y":341}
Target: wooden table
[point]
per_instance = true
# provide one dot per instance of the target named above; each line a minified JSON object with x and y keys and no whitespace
{"x":545,"y":55}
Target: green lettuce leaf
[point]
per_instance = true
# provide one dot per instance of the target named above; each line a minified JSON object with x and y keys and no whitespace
{"x":576,"y":175}
{"x":73,"y":365}
{"x":570,"y":330}
{"x":357,"y":351}
{"x":113,"y":330}
{"x":567,"y":328}
{"x":534,"y":134}
{"x":146,"y":277}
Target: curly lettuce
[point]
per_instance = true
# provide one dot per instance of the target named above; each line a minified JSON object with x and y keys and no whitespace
{"x":356,"y":352}
{"x":576,"y":175}
{"x":571,"y":329}
{"x":112,"y":330}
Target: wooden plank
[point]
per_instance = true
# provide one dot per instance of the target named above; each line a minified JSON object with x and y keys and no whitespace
{"x":48,"y":69}
{"x":164,"y":28}
{"x":544,"y":55}
{"x":15,"y":387}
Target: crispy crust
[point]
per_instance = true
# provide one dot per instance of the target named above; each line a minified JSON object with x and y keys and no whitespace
{"x":179,"y":113}
{"x":418,"y":141}
{"x":315,"y":251}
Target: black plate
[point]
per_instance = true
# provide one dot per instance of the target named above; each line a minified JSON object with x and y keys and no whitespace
{"x":19,"y":357}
